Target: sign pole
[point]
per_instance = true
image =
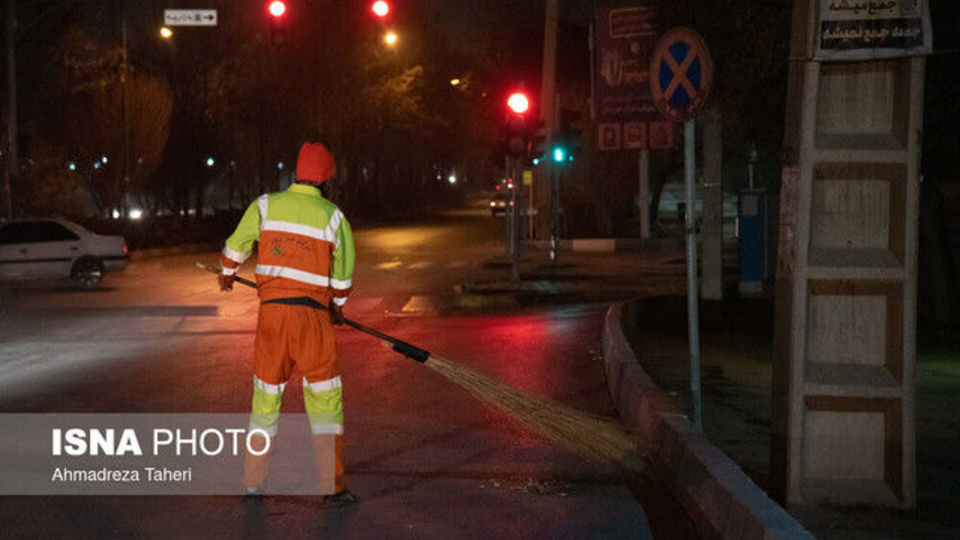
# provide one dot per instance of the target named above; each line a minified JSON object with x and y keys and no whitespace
{"x":680,"y":77}
{"x":643,"y":198}
{"x":693,"y":315}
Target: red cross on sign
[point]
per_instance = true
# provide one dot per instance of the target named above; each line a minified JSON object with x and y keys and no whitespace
{"x":681,"y":73}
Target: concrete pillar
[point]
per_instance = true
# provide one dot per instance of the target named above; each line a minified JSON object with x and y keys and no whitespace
{"x":843,"y":423}
{"x":711,"y":277}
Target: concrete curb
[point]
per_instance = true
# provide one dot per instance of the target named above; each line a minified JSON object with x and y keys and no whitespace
{"x":715,"y":492}
{"x":141,"y":254}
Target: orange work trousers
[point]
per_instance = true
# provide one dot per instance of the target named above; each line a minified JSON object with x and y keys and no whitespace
{"x":301,"y":336}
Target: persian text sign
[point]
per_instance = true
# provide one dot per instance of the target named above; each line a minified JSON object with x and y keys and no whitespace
{"x":865,"y":29}
{"x":623,"y":41}
{"x":190,"y":17}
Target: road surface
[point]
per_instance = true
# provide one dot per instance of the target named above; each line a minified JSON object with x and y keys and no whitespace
{"x":426,"y":459}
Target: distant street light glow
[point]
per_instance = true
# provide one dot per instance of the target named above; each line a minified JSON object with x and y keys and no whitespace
{"x":452,"y":178}
{"x":390,"y":38}
{"x":518,"y":103}
{"x":166,"y":32}
{"x":210,"y":162}
{"x":96,"y":164}
{"x":103,"y":159}
{"x":72,"y":166}
{"x":115,"y":214}
{"x":380,"y":8}
{"x":455,"y":82}
{"x":280,"y":165}
{"x":136,"y":214}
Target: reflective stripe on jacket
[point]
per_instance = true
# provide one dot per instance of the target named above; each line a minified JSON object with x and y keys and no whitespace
{"x":305,"y":246}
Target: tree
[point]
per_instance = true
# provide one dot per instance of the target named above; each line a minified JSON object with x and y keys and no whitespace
{"x":88,"y":126}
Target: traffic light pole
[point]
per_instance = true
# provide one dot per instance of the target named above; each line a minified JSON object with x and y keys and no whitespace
{"x":508,"y":217}
{"x":515,"y":217}
{"x":12,"y":167}
{"x":512,"y":222}
{"x":554,"y":214}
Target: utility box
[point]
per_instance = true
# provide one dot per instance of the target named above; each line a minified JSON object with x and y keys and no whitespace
{"x":753,"y":244}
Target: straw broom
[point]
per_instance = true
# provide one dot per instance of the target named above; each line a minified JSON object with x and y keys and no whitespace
{"x":594,"y":437}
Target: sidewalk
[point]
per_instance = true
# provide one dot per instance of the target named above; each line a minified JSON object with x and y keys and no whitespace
{"x":579,"y":277}
{"x":737,"y":340}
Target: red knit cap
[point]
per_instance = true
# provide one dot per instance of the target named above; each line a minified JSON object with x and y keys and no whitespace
{"x":315,"y":163}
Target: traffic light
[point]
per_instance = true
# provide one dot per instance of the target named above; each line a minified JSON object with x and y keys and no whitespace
{"x":538,"y":143}
{"x":568,"y":135}
{"x":380,"y":8}
{"x":517,"y":132}
{"x":518,"y":102}
{"x":277,"y":9}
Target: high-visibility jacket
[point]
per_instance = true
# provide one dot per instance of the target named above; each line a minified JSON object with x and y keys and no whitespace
{"x":306,"y":246}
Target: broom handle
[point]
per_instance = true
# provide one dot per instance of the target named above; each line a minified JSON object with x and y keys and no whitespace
{"x":398,"y":345}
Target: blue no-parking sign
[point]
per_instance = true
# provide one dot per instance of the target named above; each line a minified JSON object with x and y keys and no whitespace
{"x":681,"y":73}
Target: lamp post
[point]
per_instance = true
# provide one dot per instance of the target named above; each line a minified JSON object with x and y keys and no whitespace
{"x":125,"y":136}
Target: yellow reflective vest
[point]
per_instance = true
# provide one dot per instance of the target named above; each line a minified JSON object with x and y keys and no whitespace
{"x":305,"y":246}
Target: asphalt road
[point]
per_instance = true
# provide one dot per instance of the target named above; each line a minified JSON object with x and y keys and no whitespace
{"x":426,"y":459}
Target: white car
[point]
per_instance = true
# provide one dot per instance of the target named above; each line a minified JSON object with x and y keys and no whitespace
{"x":57,"y":248}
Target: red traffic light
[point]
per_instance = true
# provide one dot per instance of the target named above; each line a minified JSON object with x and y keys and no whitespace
{"x":380,"y":8}
{"x":518,"y":102}
{"x":277,"y":8}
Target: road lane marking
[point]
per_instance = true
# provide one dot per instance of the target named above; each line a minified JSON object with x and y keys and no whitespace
{"x":421,"y":304}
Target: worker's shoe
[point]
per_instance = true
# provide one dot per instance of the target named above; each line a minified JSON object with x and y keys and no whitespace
{"x":253,"y":492}
{"x":339,"y":499}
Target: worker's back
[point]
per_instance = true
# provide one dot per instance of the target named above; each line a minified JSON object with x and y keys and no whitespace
{"x":306,"y":245}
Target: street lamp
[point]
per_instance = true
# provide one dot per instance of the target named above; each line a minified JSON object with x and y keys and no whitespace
{"x":166,"y":32}
{"x":455,"y":81}
{"x":210,"y":162}
{"x":390,"y":38}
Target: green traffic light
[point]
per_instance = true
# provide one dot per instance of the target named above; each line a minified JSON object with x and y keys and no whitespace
{"x":559,"y":154}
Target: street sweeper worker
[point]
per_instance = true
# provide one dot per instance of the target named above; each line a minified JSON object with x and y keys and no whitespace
{"x":304,"y":273}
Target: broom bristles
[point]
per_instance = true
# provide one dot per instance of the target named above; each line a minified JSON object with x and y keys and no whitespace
{"x":592,"y":436}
